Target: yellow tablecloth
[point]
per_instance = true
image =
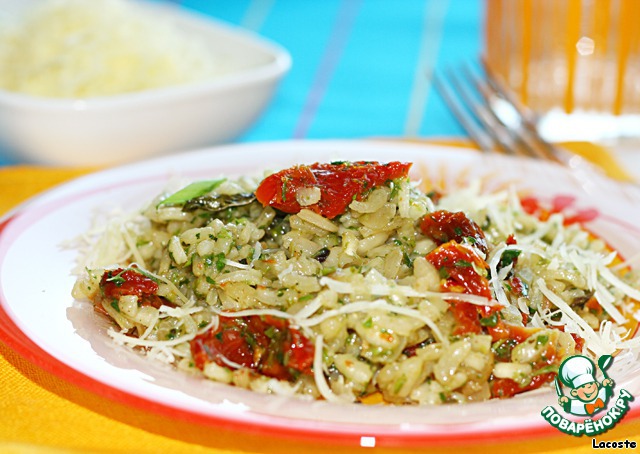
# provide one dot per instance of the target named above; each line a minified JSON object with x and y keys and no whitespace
{"x":41,"y":413}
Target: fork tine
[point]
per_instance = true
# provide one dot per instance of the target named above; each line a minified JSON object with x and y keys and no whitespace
{"x":528,"y":117}
{"x":514,"y":123}
{"x":501,"y":135}
{"x":477,"y":134}
{"x":492,"y":116}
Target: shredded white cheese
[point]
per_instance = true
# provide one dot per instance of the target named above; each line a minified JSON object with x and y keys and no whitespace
{"x":80,"y":48}
{"x":597,"y":344}
{"x":123,"y":338}
{"x":390,"y":288}
{"x":318,"y":374}
{"x":366,"y":306}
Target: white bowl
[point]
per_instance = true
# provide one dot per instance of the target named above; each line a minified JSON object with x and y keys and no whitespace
{"x":123,"y":128}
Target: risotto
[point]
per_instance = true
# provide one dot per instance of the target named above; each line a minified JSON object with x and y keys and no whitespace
{"x":349,"y":282}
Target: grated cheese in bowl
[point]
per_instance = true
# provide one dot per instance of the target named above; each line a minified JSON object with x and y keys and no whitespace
{"x":80,"y":49}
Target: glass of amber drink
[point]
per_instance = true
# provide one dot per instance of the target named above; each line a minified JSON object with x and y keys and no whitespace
{"x":575,"y":62}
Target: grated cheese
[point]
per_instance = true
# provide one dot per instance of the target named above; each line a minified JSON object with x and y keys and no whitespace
{"x":135,"y":252}
{"x":622,"y":286}
{"x":237,"y":264}
{"x":390,"y":288}
{"x":250,"y":312}
{"x":318,"y":374}
{"x":178,"y":312}
{"x":366,"y":306}
{"x":80,"y":48}
{"x":562,"y":251}
{"x":597,"y":344}
{"x":123,"y":338}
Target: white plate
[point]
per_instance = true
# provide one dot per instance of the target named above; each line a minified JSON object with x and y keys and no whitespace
{"x":67,"y":338}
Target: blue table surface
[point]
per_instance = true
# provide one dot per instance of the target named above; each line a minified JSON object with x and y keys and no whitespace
{"x":361,"y":68}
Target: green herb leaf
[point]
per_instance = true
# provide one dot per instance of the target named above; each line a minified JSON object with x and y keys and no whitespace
{"x":508,"y":257}
{"x":463,"y":264}
{"x":195,"y":189}
{"x":220,"y":261}
{"x":542,"y":339}
{"x":285,"y":182}
{"x":328,"y":270}
{"x":250,"y":338}
{"x":271,"y":332}
{"x":502,"y":349}
{"x":492,"y":320}
{"x":399,"y":383}
{"x":117,"y":279}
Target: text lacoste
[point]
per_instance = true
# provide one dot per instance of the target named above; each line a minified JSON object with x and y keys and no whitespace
{"x":590,"y":427}
{"x":626,"y":444}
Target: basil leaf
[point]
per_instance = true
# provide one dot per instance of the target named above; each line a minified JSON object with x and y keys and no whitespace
{"x":196,"y":189}
{"x":508,"y":257}
{"x":491,"y":321}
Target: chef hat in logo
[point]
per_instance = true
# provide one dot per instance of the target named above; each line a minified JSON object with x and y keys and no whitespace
{"x":577,"y":371}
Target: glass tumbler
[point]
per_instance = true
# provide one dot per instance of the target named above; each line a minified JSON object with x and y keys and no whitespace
{"x":575,"y":62}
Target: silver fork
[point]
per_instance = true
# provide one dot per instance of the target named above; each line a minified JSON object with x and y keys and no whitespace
{"x":494,"y":119}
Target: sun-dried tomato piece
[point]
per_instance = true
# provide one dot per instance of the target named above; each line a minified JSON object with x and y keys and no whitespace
{"x":443,"y":226}
{"x":332,"y":186}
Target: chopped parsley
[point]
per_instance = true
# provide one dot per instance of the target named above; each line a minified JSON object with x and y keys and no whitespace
{"x":508,"y":257}
{"x":463,"y":264}
{"x":491,"y":321}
